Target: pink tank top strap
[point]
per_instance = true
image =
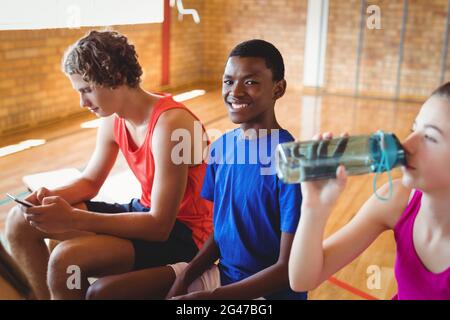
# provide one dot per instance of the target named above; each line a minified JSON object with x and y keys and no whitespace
{"x":411,"y":209}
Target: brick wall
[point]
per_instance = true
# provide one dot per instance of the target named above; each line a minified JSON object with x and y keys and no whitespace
{"x":342,"y":39}
{"x":281,"y":22}
{"x":379,"y":60}
{"x":423,"y":43}
{"x":186,"y":46}
{"x":31,"y":80}
{"x":34,"y":91}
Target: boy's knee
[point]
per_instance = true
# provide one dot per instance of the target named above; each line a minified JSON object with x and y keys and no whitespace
{"x":63,"y":262}
{"x":98,"y":290}
{"x":17,"y":227}
{"x":61,"y":258}
{"x":64,"y":270}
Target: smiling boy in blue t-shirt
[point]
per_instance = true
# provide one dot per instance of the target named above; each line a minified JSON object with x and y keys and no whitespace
{"x":255,"y":214}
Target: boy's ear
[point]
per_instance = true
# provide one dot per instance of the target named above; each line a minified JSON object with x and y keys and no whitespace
{"x":279,"y":89}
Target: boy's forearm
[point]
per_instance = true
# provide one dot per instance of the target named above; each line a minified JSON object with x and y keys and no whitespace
{"x":205,"y":258}
{"x":78,"y":191}
{"x":129,"y":225}
{"x":265,"y":282}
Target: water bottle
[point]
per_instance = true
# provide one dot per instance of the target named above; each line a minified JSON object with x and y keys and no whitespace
{"x":315,"y":160}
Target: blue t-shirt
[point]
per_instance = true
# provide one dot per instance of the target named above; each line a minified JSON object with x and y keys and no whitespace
{"x":251,"y":205}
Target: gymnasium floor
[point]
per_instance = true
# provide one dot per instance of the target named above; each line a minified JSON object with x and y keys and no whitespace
{"x":303,"y":115}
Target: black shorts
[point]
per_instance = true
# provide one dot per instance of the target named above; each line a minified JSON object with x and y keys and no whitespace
{"x":179,"y":247}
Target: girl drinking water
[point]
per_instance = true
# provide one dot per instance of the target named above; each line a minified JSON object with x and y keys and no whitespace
{"x":418,"y":212}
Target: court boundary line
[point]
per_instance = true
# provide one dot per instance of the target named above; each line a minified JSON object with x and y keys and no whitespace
{"x":351,"y":289}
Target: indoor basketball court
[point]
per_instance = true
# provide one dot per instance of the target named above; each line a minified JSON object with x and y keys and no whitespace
{"x":353,"y":66}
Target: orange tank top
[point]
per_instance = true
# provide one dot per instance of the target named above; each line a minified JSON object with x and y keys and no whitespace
{"x":194,"y":212}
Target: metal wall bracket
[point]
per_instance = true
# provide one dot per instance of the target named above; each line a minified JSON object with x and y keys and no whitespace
{"x":182,"y":11}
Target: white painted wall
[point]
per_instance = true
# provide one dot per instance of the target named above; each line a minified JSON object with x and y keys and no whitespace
{"x":48,"y":14}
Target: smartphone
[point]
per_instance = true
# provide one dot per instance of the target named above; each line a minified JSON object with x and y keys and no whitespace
{"x":22,"y":202}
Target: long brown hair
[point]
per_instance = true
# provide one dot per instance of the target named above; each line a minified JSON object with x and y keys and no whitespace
{"x":442,"y":91}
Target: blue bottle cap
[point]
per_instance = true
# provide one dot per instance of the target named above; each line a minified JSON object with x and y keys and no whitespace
{"x":381,"y":142}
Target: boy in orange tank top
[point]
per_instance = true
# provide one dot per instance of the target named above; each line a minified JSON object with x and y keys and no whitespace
{"x":167,"y":224}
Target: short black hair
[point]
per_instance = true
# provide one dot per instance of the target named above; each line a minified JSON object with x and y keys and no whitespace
{"x":261,"y":49}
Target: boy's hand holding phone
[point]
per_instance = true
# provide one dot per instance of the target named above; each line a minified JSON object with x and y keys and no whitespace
{"x":38,"y":195}
{"x":54,"y":215}
{"x":25,"y":203}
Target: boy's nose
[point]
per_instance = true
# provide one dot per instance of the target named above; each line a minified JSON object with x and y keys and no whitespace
{"x":237,"y":90}
{"x":84,"y":103}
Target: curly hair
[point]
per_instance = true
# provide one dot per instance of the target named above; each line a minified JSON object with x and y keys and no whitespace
{"x":104,"y":58}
